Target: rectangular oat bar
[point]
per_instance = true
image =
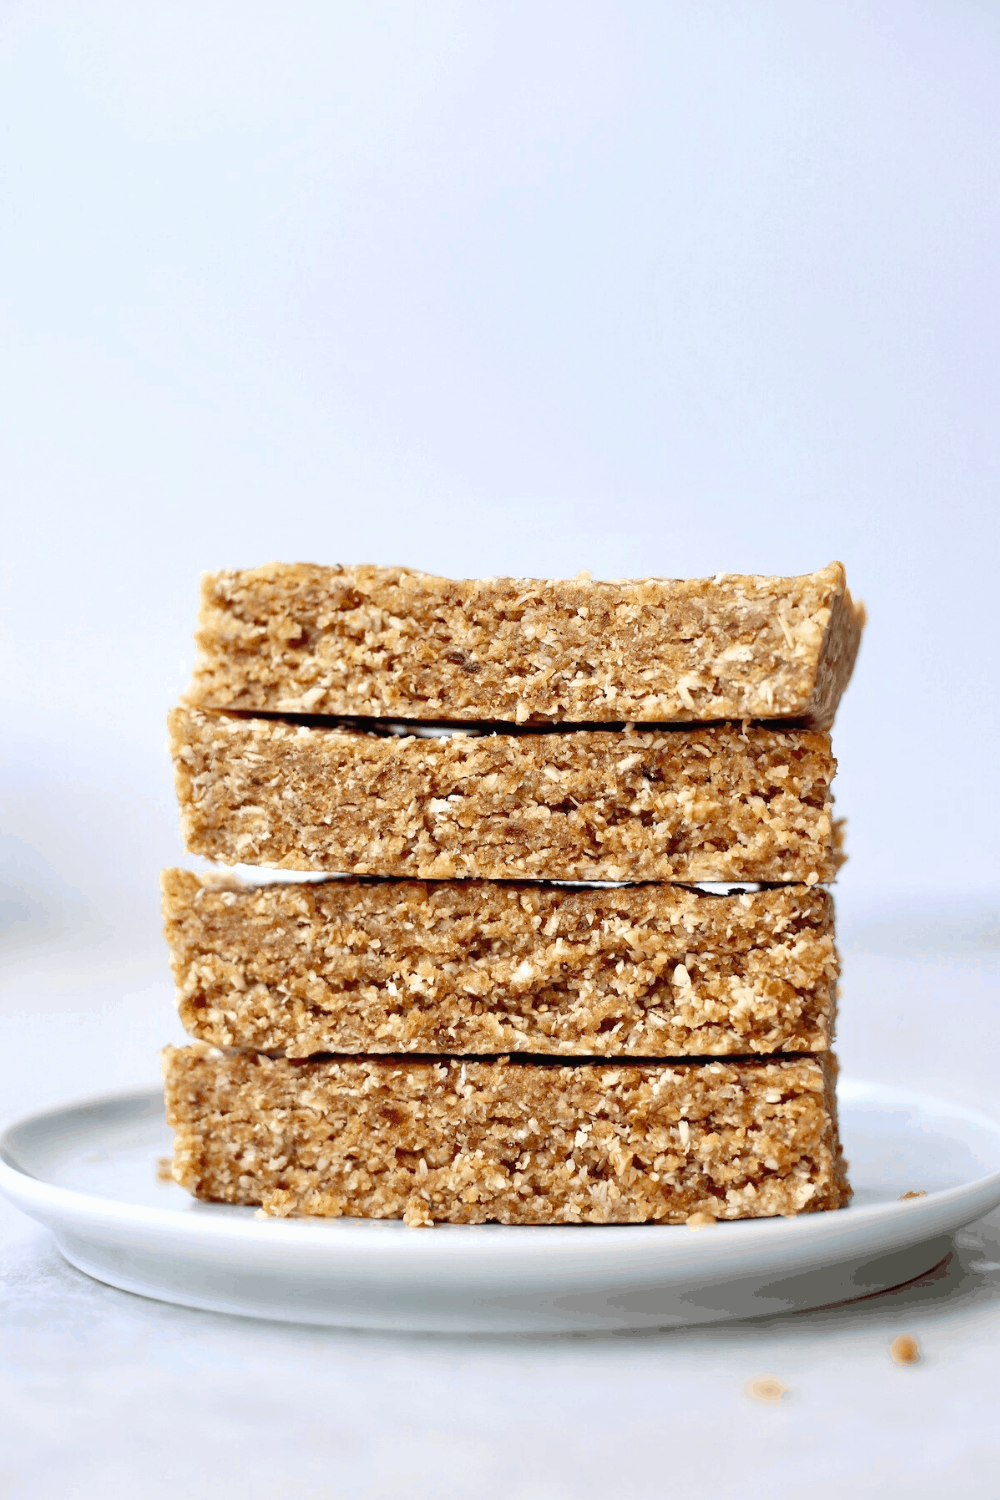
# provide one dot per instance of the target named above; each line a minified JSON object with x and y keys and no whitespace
{"x":400,"y":644}
{"x":716,"y":803}
{"x":519,"y":1142}
{"x":488,"y":967}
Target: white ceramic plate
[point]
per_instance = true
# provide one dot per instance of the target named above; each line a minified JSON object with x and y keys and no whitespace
{"x":88,"y":1172}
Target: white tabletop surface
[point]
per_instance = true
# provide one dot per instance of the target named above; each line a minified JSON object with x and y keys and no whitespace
{"x":107,"y":1395}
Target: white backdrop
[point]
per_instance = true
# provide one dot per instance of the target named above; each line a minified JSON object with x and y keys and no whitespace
{"x":658,"y":288}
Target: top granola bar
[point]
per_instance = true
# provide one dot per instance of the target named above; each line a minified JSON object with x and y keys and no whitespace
{"x":394,"y":643}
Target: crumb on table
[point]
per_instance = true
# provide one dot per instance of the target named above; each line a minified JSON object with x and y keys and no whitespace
{"x":766,"y":1388}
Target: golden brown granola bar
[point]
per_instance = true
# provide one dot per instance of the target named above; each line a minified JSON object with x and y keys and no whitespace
{"x":521,"y":1142}
{"x":714,"y":803}
{"x":395,"y":643}
{"x":488,"y":967}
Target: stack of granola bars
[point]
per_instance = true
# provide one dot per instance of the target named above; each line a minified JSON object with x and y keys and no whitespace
{"x":504,"y":992}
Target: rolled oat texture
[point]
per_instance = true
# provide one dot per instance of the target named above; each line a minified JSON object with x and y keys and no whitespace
{"x":512,"y":1141}
{"x":396,"y":643}
{"x":364,"y":966}
{"x":709,"y":804}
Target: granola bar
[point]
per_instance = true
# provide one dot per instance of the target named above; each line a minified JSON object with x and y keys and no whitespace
{"x":519,"y":1142}
{"x":396,"y":643}
{"x":716,"y":803}
{"x":489,"y":967}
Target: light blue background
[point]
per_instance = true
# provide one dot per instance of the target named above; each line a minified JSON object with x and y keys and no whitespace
{"x":658,"y":288}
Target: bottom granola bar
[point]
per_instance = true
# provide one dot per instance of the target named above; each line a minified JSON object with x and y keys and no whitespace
{"x":511,"y":1140}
